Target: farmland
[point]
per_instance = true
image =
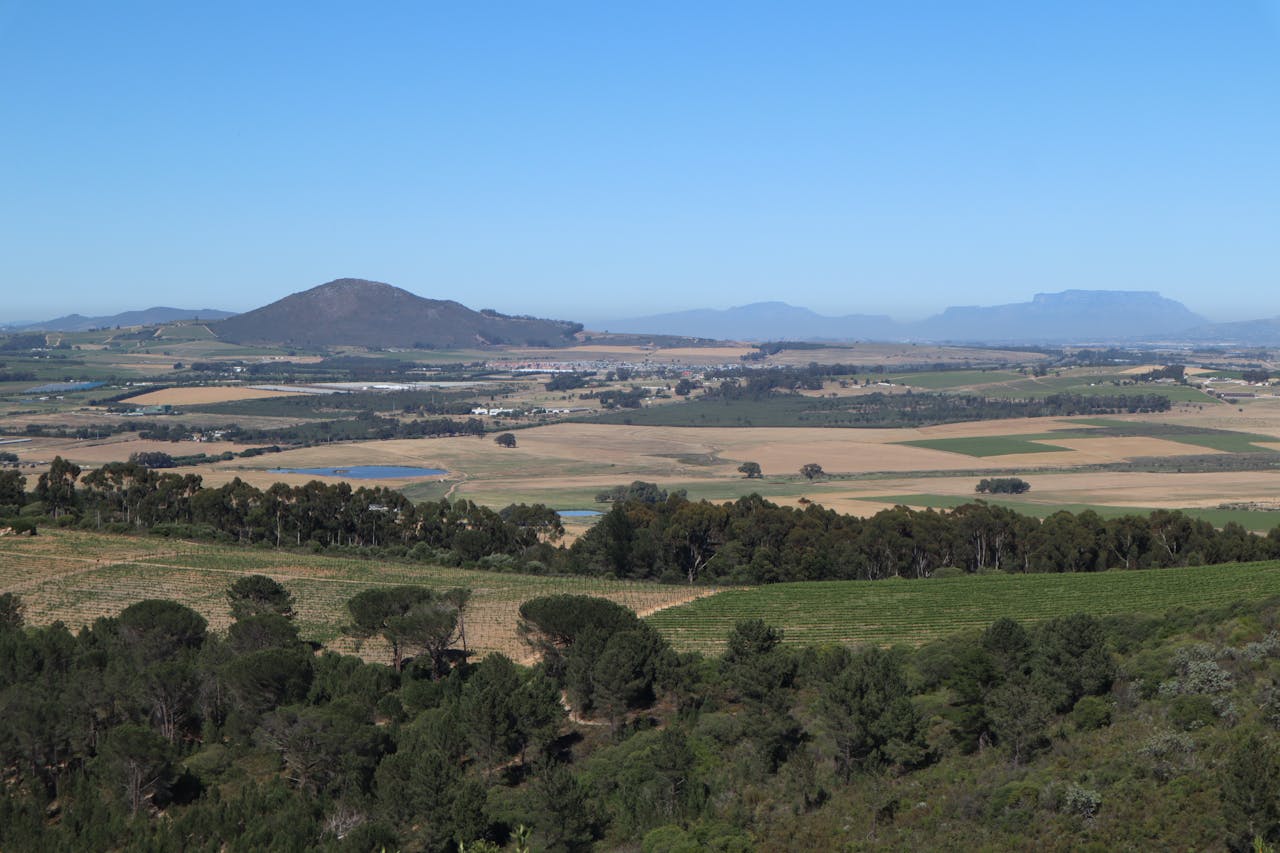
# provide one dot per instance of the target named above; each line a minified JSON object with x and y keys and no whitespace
{"x":201,"y":394}
{"x":915,"y":612}
{"x":991,"y":445}
{"x":1147,"y":459}
{"x":1206,"y":438}
{"x":76,"y":577}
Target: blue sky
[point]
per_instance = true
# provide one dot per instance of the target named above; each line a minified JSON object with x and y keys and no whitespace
{"x":596,"y":160}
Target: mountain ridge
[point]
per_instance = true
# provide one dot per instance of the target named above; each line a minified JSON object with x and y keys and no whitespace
{"x":361,"y":312}
{"x":1069,"y":315}
{"x":143,"y":317}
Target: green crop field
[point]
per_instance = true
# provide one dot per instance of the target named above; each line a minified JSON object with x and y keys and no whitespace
{"x":915,"y":612}
{"x":1093,"y":385}
{"x":987,"y":445}
{"x":1227,"y":441}
{"x":943,"y":380}
{"x":1250,"y":519}
{"x":781,"y":411}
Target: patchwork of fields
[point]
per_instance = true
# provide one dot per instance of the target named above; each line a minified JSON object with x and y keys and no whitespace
{"x":1216,"y":461}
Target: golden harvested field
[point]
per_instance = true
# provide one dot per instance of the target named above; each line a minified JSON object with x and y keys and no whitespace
{"x":95,"y":452}
{"x":575,"y":454}
{"x":566,"y":464}
{"x":1158,"y":489}
{"x":1260,"y":415}
{"x":1124,"y":489}
{"x":861,"y":353}
{"x":664,"y":354}
{"x":1147,"y":368}
{"x":892,"y":355}
{"x":76,"y":577}
{"x":190,"y":395}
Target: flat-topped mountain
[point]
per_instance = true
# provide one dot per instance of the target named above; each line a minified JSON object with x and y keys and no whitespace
{"x":1068,"y":316}
{"x":1071,"y":315}
{"x":370,"y":313}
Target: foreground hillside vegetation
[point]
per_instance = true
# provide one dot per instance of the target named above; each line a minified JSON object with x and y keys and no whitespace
{"x":147,"y":730}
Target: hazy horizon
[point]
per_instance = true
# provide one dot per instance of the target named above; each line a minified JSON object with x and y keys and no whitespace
{"x":596,"y":320}
{"x":841,"y":157}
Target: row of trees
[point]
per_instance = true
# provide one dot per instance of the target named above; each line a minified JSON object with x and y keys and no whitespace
{"x":1002,"y":486}
{"x":365,"y":425}
{"x":916,"y":408}
{"x":647,"y":533}
{"x":754,"y":541}
{"x":128,"y":496}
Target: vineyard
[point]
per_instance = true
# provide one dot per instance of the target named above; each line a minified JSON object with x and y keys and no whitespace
{"x":77,"y":577}
{"x":914,"y":612}
{"x":1259,"y":520}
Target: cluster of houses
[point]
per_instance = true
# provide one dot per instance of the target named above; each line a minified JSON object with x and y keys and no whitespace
{"x":480,"y":411}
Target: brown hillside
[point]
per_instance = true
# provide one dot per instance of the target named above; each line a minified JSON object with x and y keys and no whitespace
{"x":369,"y":313}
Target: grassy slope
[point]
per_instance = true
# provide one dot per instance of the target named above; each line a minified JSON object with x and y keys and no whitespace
{"x":77,"y":577}
{"x":903,"y":611}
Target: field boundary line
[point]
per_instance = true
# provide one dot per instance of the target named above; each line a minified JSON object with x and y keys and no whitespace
{"x":706,"y":592}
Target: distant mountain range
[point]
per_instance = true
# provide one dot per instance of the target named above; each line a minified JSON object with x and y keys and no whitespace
{"x":369,"y":313}
{"x":145,"y":317}
{"x":1069,"y":316}
{"x":1244,"y":333}
{"x":760,"y":321}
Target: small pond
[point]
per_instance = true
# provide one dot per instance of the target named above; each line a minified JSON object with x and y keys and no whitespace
{"x":578,"y":513}
{"x":365,"y":472}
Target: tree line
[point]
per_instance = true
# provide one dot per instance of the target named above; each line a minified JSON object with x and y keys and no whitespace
{"x":648,"y":533}
{"x":365,"y":426}
{"x":923,"y":408}
{"x":754,"y":541}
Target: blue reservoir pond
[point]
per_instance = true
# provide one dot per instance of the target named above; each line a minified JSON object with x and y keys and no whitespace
{"x":578,"y":513}
{"x":366,"y":472}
